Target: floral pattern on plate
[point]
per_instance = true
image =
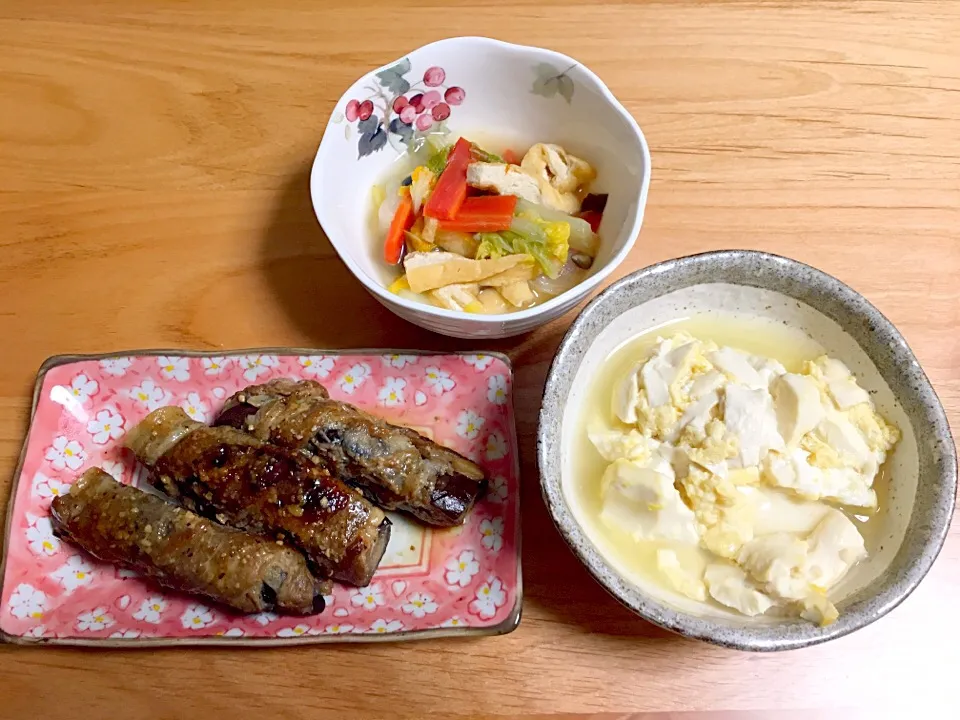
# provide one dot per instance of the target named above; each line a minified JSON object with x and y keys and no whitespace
{"x":465,"y":578}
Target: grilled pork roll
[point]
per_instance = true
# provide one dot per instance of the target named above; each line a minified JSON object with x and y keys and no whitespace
{"x":183,"y":551}
{"x":394,"y":466}
{"x":240,"y":481}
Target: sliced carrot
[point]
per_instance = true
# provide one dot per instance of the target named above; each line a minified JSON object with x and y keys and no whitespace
{"x":593,"y":217}
{"x":451,"y":188}
{"x":510,"y":157}
{"x":485,"y":213}
{"x":402,"y":221}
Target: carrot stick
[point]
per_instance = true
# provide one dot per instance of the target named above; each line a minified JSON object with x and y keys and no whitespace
{"x":451,"y":188}
{"x":485,"y":213}
{"x":402,"y":221}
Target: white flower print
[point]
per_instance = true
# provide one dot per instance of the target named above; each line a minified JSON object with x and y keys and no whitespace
{"x":47,"y":488}
{"x":480,"y":362}
{"x":174,"y":368}
{"x":197,"y":617}
{"x":150,"y":394}
{"x":419,"y":605}
{"x":213,"y":366}
{"x":125,"y":634}
{"x":36,"y":631}
{"x":83,"y":387}
{"x":497,"y":389}
{"x":151,"y":610}
{"x":27,"y":601}
{"x":338,"y":629}
{"x":391,"y":394}
{"x":232,"y":632}
{"x":490,"y":596}
{"x":319,"y":365}
{"x":399,"y":361}
{"x":96,"y":619}
{"x":354,"y":377}
{"x":492,"y":532}
{"x":369,"y":598}
{"x":124,"y":574}
{"x":469,"y":424}
{"x":256,"y":365}
{"x":295,"y":631}
{"x":461,"y":569}
{"x":65,"y":454}
{"x":116,"y":468}
{"x":40,"y":537}
{"x":75,"y":572}
{"x":498,"y":489}
{"x":455,"y":621}
{"x":496,"y":446}
{"x":116,"y":366}
{"x":439,"y":381}
{"x":107,"y":425}
{"x":386,"y":626}
{"x":195,"y":407}
{"x":265,"y":618}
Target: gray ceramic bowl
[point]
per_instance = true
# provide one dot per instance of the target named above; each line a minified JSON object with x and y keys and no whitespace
{"x":923,"y":466}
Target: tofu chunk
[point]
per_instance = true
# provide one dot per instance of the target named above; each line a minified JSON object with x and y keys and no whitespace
{"x":503,"y":179}
{"x":793,"y":471}
{"x":626,"y":396}
{"x":458,"y":297}
{"x":835,"y":546}
{"x":793,"y":569}
{"x":736,"y":366}
{"x":640,"y":499}
{"x":517,"y":293}
{"x":729,"y":586}
{"x":661,"y":371}
{"x":750,"y":417}
{"x":432,"y":270}
{"x":680,"y":578}
{"x":777,"y":563}
{"x":798,"y":406}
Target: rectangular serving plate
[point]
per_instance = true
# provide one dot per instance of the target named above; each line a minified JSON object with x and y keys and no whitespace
{"x":462,"y":581}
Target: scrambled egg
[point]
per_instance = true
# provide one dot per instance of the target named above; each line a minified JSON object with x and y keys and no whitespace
{"x":730,"y":453}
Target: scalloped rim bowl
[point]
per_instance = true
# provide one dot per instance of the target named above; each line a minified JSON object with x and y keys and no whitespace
{"x":499,"y":81}
{"x":923,"y":466}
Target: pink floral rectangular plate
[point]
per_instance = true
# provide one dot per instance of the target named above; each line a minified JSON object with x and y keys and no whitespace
{"x":464,"y":580}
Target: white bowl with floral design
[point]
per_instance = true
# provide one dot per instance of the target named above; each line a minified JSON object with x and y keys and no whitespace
{"x":484,"y":89}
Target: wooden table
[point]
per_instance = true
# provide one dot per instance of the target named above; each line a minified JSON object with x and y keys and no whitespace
{"x":153,"y":193}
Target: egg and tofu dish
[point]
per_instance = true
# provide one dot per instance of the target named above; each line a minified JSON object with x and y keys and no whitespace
{"x":747,"y":465}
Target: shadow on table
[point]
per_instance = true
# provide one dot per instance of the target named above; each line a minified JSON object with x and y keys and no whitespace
{"x":317,"y":291}
{"x":328,"y":305}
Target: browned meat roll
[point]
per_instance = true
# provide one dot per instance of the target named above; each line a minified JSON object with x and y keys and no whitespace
{"x":240,"y":481}
{"x":183,"y":551}
{"x":394,"y":466}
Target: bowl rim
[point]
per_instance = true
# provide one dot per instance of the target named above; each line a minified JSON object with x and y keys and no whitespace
{"x":554,"y":304}
{"x":778,"y":636}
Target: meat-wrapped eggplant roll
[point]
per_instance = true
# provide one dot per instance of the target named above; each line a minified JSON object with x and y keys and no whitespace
{"x":183,"y":551}
{"x":240,"y":481}
{"x":394,"y":466}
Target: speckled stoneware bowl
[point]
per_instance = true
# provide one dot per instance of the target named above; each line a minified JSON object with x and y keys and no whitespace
{"x":923,"y":467}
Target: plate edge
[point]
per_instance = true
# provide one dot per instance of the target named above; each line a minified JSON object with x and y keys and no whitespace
{"x":15,"y":481}
{"x":508,"y":625}
{"x":66,"y":359}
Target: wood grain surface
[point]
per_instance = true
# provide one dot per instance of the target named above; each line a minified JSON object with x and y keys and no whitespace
{"x":153,"y":193}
